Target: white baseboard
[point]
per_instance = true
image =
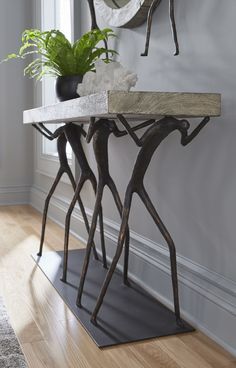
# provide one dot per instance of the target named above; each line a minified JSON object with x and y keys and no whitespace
{"x":12,"y":195}
{"x":208,"y":300}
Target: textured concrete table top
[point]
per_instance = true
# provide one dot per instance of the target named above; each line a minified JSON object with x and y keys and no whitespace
{"x":133,"y":105}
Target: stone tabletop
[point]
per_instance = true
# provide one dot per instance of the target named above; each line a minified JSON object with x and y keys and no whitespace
{"x":134,"y":105}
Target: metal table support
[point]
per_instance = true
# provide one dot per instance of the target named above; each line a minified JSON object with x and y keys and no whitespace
{"x":149,"y":142}
{"x":100,"y":131}
{"x":165,"y":111}
{"x":70,"y":133}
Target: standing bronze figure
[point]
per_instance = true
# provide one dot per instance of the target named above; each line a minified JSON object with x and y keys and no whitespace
{"x":63,"y":135}
{"x":64,"y":168}
{"x":100,"y":131}
{"x":149,"y":142}
{"x":153,"y":6}
{"x":73,"y":134}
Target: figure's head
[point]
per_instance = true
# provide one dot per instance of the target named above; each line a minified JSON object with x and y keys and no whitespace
{"x":112,"y":125}
{"x":106,"y":123}
{"x":184,"y":125}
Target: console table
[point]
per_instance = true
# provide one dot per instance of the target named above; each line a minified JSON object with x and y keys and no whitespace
{"x":133,"y":105}
{"x":161,"y":113}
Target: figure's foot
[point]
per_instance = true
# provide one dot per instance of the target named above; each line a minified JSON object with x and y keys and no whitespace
{"x":104,"y":261}
{"x":145,"y":53}
{"x":180,"y":322}
{"x":105,"y":265}
{"x":39,"y":254}
{"x":95,"y":255}
{"x":126,"y":282}
{"x":93,"y":320}
{"x":78,"y":303}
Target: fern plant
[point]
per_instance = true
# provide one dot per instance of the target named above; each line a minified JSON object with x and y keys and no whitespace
{"x":56,"y":56}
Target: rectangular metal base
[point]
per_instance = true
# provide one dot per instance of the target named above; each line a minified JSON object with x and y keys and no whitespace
{"x":128,"y":314}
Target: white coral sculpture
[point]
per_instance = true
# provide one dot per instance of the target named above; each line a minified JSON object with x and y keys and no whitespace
{"x":112,"y":76}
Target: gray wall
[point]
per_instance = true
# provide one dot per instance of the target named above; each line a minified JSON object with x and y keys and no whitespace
{"x":193,"y":188}
{"x":16,"y":142}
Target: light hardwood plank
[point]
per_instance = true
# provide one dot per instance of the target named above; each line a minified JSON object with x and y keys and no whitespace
{"x":148,"y":352}
{"x":31,"y":355}
{"x":207,"y":349}
{"x":49,"y":333}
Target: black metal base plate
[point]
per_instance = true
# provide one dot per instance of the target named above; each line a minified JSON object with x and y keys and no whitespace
{"x":128,"y":313}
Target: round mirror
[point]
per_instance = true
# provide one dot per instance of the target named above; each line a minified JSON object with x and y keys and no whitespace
{"x":123,"y":13}
{"x":116,"y":4}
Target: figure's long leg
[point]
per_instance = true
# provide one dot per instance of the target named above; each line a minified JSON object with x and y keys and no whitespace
{"x":148,"y":204}
{"x":67,"y":227}
{"x":45,"y":211}
{"x":102,"y":238}
{"x":87,"y":225}
{"x":173,"y":26}
{"x":71,"y":177}
{"x":81,"y":206}
{"x":153,"y":6}
{"x":119,"y":206}
{"x":121,"y":239}
{"x":104,"y":257}
{"x":97,"y":208}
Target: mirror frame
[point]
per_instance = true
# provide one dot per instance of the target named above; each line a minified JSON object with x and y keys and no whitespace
{"x":131,"y":15}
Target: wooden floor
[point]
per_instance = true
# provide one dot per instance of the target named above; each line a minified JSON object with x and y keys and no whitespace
{"x":51,"y":336}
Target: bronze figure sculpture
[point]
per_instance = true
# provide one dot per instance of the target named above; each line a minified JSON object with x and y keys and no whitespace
{"x":70,"y":133}
{"x":149,"y":142}
{"x":142,"y":16}
{"x":153,"y":6}
{"x":100,"y":131}
{"x":73,"y":134}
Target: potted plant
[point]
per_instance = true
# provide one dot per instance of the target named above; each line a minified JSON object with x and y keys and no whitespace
{"x":56,"y":56}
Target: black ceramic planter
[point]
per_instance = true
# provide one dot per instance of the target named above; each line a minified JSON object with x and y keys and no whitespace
{"x":66,"y":87}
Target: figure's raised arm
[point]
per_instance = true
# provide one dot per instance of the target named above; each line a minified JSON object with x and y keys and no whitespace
{"x":129,"y":130}
{"x":118,"y":132}
{"x":47,"y":133}
{"x":42,"y":131}
{"x":83,"y":132}
{"x":186,"y":139}
{"x":91,"y":129}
